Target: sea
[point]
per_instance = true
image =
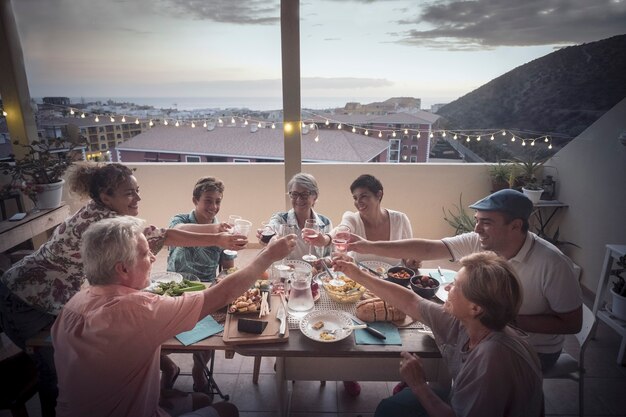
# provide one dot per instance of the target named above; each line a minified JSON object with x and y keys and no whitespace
{"x":251,"y":103}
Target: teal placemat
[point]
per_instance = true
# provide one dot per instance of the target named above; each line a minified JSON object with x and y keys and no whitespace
{"x":203,"y":329}
{"x":362,"y":337}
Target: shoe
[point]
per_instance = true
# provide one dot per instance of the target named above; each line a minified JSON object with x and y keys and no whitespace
{"x":353,"y":388}
{"x":170,"y":384}
{"x":399,"y":387}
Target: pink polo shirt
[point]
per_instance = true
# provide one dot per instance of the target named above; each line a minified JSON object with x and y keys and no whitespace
{"x":107,"y":342}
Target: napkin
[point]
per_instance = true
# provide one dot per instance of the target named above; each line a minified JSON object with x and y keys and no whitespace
{"x":203,"y":329}
{"x":362,"y":337}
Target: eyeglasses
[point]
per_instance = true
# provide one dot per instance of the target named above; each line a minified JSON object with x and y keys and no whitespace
{"x":296,"y":195}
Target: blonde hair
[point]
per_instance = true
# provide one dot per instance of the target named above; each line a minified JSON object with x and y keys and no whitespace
{"x":493,"y":285}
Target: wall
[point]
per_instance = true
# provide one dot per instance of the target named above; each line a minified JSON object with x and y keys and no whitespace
{"x":592,"y":181}
{"x":255,"y":191}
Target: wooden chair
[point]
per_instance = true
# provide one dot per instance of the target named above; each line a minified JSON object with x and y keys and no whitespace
{"x":18,"y":383}
{"x":567,"y":367}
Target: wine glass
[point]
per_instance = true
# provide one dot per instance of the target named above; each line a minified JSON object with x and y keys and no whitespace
{"x":267,"y":232}
{"x":231,"y":221}
{"x":340,"y":246}
{"x":311,"y":230}
{"x":284,"y":230}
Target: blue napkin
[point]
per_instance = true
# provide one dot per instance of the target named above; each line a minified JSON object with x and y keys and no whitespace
{"x":203,"y":329}
{"x":362,"y":337}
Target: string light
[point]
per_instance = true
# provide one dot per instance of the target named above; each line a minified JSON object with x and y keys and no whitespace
{"x":367,"y":132}
{"x":339,"y":126}
{"x":193,"y":124}
{"x":112,"y":119}
{"x":72,"y":112}
{"x":273,"y":125}
{"x":4,"y":113}
{"x":394,"y":134}
{"x":406,"y":131}
{"x":137,"y":121}
{"x":165,"y":122}
{"x":177,"y":124}
{"x":380,"y":134}
{"x":123,"y":119}
{"x":97,"y":119}
{"x":353,"y":129}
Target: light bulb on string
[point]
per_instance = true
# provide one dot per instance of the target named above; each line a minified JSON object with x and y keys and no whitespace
{"x":550,"y":146}
{"x":523,"y":142}
{"x":82,"y":115}
{"x":546,"y":140}
{"x":219,"y":120}
{"x":339,"y":126}
{"x":136,"y":121}
{"x":455,"y":136}
{"x":327,"y":122}
{"x":123,"y":119}
{"x":245,"y":122}
{"x":97,"y":119}
{"x":491,"y":138}
{"x":431,"y":135}
{"x":232,"y":120}
{"x":303,"y":125}
{"x":478,"y":138}
{"x":165,"y":122}
{"x":513,"y":138}
{"x":353,"y":129}
{"x":532,"y":143}
{"x":367,"y":132}
{"x":380,"y":134}
{"x":393,"y":134}
{"x":72,"y":112}
{"x":419,"y":134}
{"x":288,"y":127}
{"x":193,"y":124}
{"x":204,"y":124}
{"x":151,"y":123}
{"x":177,"y":124}
{"x":259,"y":125}
{"x":312,"y":126}
{"x":317,"y":138}
{"x":273,"y":125}
{"x":406,"y":131}
{"x":504,"y":133}
{"x":443,"y":134}
{"x":468,"y":139}
{"x":112,"y":119}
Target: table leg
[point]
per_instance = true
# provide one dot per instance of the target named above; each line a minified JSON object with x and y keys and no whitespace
{"x":282,"y":388}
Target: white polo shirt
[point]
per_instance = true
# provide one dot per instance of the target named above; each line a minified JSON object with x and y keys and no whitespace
{"x":547,"y":277}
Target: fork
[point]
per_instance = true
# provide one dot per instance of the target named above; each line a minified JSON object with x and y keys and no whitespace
{"x":351,"y":327}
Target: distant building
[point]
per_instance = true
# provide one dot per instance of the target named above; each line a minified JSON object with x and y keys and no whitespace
{"x":435,"y":107}
{"x":392,"y":105}
{"x":57,"y":101}
{"x":239,"y":143}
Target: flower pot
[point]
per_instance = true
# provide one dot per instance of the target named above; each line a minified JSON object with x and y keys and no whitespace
{"x":618,"y":305}
{"x":533,"y":195}
{"x":50,"y":196}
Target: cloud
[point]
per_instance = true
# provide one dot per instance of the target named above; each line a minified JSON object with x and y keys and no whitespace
{"x":486,"y":24}
{"x":249,"y":12}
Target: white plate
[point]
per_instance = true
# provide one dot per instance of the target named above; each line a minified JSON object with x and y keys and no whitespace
{"x":157,"y":277}
{"x":332,"y":320}
{"x":377,"y":266}
{"x":448,"y":274}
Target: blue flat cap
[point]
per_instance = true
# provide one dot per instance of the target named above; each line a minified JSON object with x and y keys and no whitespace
{"x":508,"y":201}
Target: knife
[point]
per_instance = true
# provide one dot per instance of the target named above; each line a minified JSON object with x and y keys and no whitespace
{"x":281,"y":316}
{"x":362,"y":265}
{"x":369,"y":329}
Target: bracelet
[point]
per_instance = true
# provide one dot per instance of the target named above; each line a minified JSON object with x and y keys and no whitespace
{"x":330,"y":239}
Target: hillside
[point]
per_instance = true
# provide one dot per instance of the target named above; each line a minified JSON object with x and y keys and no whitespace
{"x":561,"y":93}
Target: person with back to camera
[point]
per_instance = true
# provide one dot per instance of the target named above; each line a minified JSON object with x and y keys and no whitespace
{"x":201,"y":262}
{"x":552,"y":303}
{"x":494,"y":371}
{"x":33,"y":291}
{"x":113,"y":370}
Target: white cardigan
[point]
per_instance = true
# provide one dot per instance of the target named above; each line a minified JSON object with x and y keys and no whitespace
{"x":399,"y":228}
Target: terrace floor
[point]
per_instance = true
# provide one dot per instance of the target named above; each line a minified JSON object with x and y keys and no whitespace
{"x":604,"y":388}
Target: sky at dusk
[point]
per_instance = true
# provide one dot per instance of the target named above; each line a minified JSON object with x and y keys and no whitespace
{"x":350,"y":49}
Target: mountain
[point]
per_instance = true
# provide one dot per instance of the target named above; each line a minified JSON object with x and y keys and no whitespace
{"x":561,"y":93}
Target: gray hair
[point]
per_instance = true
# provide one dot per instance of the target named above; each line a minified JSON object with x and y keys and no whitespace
{"x":307,"y":181}
{"x":107,"y":242}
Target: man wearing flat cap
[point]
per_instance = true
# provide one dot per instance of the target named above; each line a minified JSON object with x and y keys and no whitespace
{"x":552,"y":304}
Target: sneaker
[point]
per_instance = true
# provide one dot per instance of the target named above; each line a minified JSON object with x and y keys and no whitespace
{"x":399,"y":387}
{"x":352,"y":388}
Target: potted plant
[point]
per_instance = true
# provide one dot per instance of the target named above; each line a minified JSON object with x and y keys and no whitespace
{"x":500,"y":174}
{"x":39,"y":173}
{"x":532,"y":190}
{"x":618,"y":291}
{"x":462,"y":222}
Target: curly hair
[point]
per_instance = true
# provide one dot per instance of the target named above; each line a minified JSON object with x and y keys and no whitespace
{"x":492,"y":284}
{"x":205,"y":184}
{"x":89,"y":179}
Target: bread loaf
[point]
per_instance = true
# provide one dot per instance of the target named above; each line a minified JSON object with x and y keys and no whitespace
{"x":375,"y":309}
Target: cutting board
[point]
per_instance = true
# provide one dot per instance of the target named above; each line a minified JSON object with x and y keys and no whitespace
{"x":269,"y":335}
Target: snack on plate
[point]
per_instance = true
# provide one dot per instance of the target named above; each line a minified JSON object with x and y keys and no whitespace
{"x":327,"y":336}
{"x":376,"y":309}
{"x":318,"y":325}
{"x":350,"y":292}
{"x":249,"y":302}
{"x":174,"y":289}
